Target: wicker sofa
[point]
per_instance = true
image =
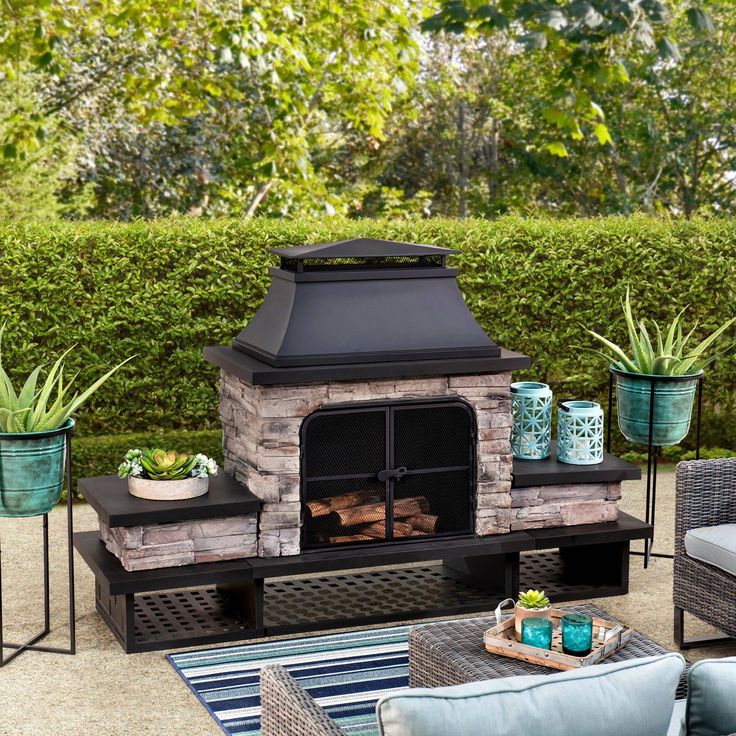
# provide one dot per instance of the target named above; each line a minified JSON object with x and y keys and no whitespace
{"x":561,"y":704}
{"x":705,"y":498}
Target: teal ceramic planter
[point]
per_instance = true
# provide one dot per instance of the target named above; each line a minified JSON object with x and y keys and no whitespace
{"x":673,"y":406}
{"x":32,"y":471}
{"x":531,"y":433}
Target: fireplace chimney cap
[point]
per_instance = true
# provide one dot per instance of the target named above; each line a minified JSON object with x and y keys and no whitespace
{"x":363,"y":301}
{"x":361,"y":248}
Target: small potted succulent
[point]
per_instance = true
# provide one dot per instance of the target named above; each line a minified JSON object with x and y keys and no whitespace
{"x":532,"y":604}
{"x":662,"y":369}
{"x":166,"y":475}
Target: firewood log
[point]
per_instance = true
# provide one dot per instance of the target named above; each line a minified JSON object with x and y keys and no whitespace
{"x":377,"y":511}
{"x":324,"y":506}
{"x":351,"y":538}
{"x":378,"y":529}
{"x":425,"y":523}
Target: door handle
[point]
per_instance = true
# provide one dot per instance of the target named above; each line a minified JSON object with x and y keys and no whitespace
{"x":385,"y":475}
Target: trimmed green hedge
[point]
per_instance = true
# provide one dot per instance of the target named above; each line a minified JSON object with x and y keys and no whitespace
{"x":166,"y":289}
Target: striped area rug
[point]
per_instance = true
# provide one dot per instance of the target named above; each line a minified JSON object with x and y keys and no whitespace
{"x":346,"y":673}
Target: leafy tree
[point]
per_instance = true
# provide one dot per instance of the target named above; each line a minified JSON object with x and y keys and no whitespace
{"x":32,"y":182}
{"x":270,"y":73}
{"x":584,"y":44}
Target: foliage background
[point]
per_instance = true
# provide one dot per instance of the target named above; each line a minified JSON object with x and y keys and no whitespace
{"x":165,"y":289}
{"x":121,"y":109}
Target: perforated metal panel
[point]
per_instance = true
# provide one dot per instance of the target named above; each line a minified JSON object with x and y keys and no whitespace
{"x":395,"y":471}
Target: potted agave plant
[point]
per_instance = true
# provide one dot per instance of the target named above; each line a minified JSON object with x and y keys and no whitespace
{"x":532,"y":604}
{"x":34,"y":424}
{"x":166,"y":475}
{"x":661,"y":371}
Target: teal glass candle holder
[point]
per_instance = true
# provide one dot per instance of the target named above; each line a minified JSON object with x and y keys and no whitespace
{"x":579,"y":432}
{"x":531,"y":433}
{"x":537,"y":632}
{"x":577,"y":634}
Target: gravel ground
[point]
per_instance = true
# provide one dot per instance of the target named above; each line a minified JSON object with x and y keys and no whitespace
{"x":103,"y":691}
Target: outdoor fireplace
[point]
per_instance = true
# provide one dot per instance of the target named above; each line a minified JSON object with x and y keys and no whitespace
{"x":363,"y":404}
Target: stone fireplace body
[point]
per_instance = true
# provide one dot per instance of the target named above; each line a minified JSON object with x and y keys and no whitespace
{"x":262,"y":433}
{"x":364,"y":404}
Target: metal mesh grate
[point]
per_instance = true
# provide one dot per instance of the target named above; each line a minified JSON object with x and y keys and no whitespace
{"x":345,"y":443}
{"x":372,"y":593}
{"x":184,"y":614}
{"x":396,"y":471}
{"x":434,"y":437}
{"x":445,"y":505}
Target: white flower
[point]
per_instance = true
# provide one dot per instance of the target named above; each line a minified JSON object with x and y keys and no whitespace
{"x":130,"y":466}
{"x":205,"y":466}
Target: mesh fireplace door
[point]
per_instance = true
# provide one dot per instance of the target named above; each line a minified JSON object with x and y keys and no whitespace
{"x":387,"y":472}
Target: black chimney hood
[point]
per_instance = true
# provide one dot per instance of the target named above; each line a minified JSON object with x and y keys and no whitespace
{"x":361,"y":303}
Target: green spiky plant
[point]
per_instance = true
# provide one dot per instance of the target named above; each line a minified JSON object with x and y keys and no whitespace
{"x":668,"y":354}
{"x":34,"y":409}
{"x":533,"y":600}
{"x":161,"y":464}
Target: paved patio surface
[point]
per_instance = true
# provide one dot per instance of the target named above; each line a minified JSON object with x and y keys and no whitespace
{"x":102,"y":691}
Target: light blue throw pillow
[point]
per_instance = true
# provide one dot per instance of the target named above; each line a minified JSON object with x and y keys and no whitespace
{"x":631,"y":698}
{"x":711,"y":697}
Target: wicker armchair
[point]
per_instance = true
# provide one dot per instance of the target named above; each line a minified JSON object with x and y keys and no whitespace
{"x":288,"y":710}
{"x":706,"y":496}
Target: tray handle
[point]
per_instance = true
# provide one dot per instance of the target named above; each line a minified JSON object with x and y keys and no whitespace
{"x":499,"y":609}
{"x":616,"y":631}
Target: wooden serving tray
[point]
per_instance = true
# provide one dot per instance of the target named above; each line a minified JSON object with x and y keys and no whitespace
{"x":608,"y":637}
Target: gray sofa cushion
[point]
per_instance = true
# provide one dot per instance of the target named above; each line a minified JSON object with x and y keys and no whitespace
{"x":715,"y":545}
{"x":677,"y":724}
{"x":630,"y":698}
{"x":711,"y":700}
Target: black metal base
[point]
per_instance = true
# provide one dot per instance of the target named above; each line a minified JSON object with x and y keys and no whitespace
{"x":695,"y":642}
{"x":653,"y":460}
{"x":257,"y":608}
{"x":233,"y":600}
{"x":31,"y":645}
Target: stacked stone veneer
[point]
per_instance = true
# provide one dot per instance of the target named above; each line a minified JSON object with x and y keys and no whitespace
{"x":562,"y":505}
{"x":186,"y":543}
{"x":261,"y":427}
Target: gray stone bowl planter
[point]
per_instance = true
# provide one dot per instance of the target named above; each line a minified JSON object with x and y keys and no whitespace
{"x":32,"y":470}
{"x":168,"y":490}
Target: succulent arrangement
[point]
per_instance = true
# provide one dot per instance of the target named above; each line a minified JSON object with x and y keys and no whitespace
{"x":34,"y":409}
{"x":666,"y":353}
{"x":158,"y":464}
{"x":533,"y":600}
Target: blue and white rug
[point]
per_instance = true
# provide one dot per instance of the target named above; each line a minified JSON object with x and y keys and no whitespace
{"x":345,"y":673}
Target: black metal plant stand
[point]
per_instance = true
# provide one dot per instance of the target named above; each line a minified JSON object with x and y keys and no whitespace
{"x":653,"y":454}
{"x":32,"y":643}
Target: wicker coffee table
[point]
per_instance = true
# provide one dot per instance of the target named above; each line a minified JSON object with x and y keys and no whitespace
{"x":452,"y":653}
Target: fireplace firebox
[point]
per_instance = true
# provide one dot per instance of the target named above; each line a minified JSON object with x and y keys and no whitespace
{"x":387,"y":471}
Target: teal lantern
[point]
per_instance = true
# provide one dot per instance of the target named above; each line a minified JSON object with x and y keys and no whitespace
{"x":579,"y":432}
{"x":531,"y":433}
